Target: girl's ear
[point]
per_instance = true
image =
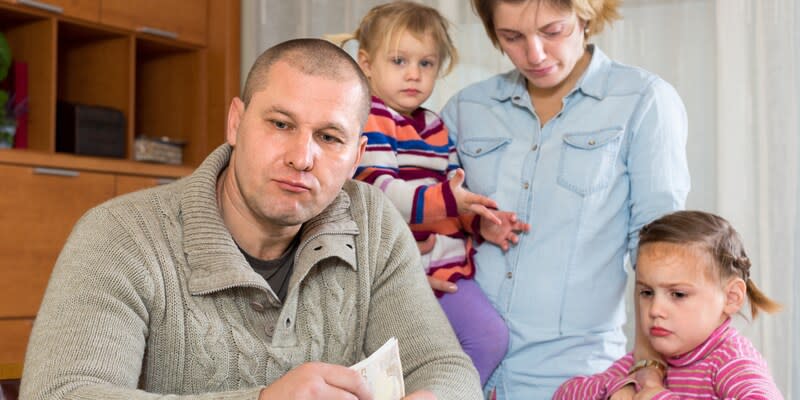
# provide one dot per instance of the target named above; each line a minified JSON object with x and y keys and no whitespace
{"x":363,"y":62}
{"x":735,"y":295}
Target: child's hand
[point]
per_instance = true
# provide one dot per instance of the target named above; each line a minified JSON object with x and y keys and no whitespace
{"x":651,"y":381}
{"x":503,"y":234}
{"x":648,"y":393}
{"x":471,"y":202}
{"x":626,"y":393}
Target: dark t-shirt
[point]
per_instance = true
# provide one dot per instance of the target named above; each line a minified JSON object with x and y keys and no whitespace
{"x":277,"y":271}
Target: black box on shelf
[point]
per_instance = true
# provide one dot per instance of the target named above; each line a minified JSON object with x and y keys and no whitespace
{"x":90,"y":130}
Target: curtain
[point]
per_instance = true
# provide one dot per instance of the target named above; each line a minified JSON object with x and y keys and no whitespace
{"x":734,"y":63}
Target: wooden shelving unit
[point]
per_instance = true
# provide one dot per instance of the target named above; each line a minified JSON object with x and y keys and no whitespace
{"x":170,"y":69}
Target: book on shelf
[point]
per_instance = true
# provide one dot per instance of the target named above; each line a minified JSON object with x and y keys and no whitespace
{"x":19,"y":103}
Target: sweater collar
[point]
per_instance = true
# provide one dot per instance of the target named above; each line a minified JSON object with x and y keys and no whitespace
{"x":214,"y":261}
{"x":719,"y":336}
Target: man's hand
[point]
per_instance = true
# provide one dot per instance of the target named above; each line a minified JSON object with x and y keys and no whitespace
{"x":505,"y":233}
{"x":420,"y":395}
{"x":471,"y":202}
{"x":626,"y":393}
{"x":318,"y":380}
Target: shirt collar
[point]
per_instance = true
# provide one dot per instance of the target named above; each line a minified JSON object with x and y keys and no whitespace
{"x":593,"y":82}
{"x":719,"y":336}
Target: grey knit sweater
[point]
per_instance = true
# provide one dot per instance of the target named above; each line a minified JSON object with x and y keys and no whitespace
{"x":150,"y":299}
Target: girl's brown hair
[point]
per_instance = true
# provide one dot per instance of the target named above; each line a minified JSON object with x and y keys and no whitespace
{"x":596,"y":13}
{"x":721,"y":242}
{"x":384,"y":24}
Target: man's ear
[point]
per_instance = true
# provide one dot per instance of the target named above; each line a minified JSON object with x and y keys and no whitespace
{"x":735,"y":295}
{"x":363,"y":62}
{"x":235,"y":114}
{"x":362,"y":147}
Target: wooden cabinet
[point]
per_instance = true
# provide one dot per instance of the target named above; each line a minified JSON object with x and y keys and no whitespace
{"x":88,"y":10}
{"x":40,"y":204}
{"x":160,"y":84}
{"x":43,"y":197}
{"x":95,"y":52}
{"x":127,"y":184}
{"x":183,"y":20}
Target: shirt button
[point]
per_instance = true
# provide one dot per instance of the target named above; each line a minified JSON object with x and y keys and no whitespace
{"x":535,"y":147}
{"x":478,"y":150}
{"x":509,"y":275}
{"x":592,"y":142}
{"x":256,"y":306}
{"x":516,"y":98}
{"x":525,"y":185}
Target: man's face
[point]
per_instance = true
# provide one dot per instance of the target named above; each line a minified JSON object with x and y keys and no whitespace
{"x":295,"y":145}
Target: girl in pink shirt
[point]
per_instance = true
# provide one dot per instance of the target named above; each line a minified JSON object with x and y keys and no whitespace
{"x":692,"y":275}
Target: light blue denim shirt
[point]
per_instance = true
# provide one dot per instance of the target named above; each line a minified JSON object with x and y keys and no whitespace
{"x":612,"y":160}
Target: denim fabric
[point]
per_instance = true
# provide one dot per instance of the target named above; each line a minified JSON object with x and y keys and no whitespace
{"x":612,"y":160}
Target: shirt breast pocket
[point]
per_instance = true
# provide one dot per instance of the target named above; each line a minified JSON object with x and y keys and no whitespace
{"x":480,"y":158}
{"x":588,"y":160}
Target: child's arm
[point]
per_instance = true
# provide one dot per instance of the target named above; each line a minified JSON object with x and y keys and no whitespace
{"x":745,"y":378}
{"x":598,"y":386}
{"x":417,"y":203}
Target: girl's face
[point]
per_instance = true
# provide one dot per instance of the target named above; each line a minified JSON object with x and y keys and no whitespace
{"x":402,"y":73}
{"x":681,"y":299}
{"x":543,"y":42}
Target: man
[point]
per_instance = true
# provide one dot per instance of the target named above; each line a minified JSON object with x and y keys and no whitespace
{"x":152,"y":296}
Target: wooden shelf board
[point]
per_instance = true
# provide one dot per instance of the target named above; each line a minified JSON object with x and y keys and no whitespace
{"x":89,"y":163}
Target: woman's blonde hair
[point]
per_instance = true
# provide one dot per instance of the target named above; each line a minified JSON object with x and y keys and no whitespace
{"x":717,"y":238}
{"x":384,"y":24}
{"x":596,"y":13}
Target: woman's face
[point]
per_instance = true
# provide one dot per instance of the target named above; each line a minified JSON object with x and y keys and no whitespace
{"x":543,"y":42}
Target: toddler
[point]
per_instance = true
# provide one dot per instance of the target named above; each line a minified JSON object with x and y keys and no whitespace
{"x":403,"y":49}
{"x":692,"y":276}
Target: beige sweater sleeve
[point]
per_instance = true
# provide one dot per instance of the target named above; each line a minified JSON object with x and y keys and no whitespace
{"x":99,"y":281}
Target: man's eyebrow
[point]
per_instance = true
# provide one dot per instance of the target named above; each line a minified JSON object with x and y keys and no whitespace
{"x":278,"y":110}
{"x":330,"y":125}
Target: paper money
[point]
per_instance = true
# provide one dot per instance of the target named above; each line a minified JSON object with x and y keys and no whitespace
{"x":383,"y":372}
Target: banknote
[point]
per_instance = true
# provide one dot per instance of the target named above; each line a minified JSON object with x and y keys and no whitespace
{"x":383,"y":372}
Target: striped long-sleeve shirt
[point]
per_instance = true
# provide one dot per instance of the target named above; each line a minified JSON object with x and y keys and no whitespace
{"x":725,"y":366}
{"x":409,"y":159}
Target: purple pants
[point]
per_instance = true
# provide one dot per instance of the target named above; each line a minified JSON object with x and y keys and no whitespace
{"x":480,"y":329}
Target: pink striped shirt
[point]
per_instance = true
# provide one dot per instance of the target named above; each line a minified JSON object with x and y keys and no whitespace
{"x":725,"y":366}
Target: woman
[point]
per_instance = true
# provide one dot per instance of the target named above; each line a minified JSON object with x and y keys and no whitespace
{"x":584,"y":149}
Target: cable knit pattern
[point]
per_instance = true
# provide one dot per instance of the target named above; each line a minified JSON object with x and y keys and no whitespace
{"x":151,"y":299}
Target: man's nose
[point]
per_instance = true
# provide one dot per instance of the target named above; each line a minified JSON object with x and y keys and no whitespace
{"x":301,"y":152}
